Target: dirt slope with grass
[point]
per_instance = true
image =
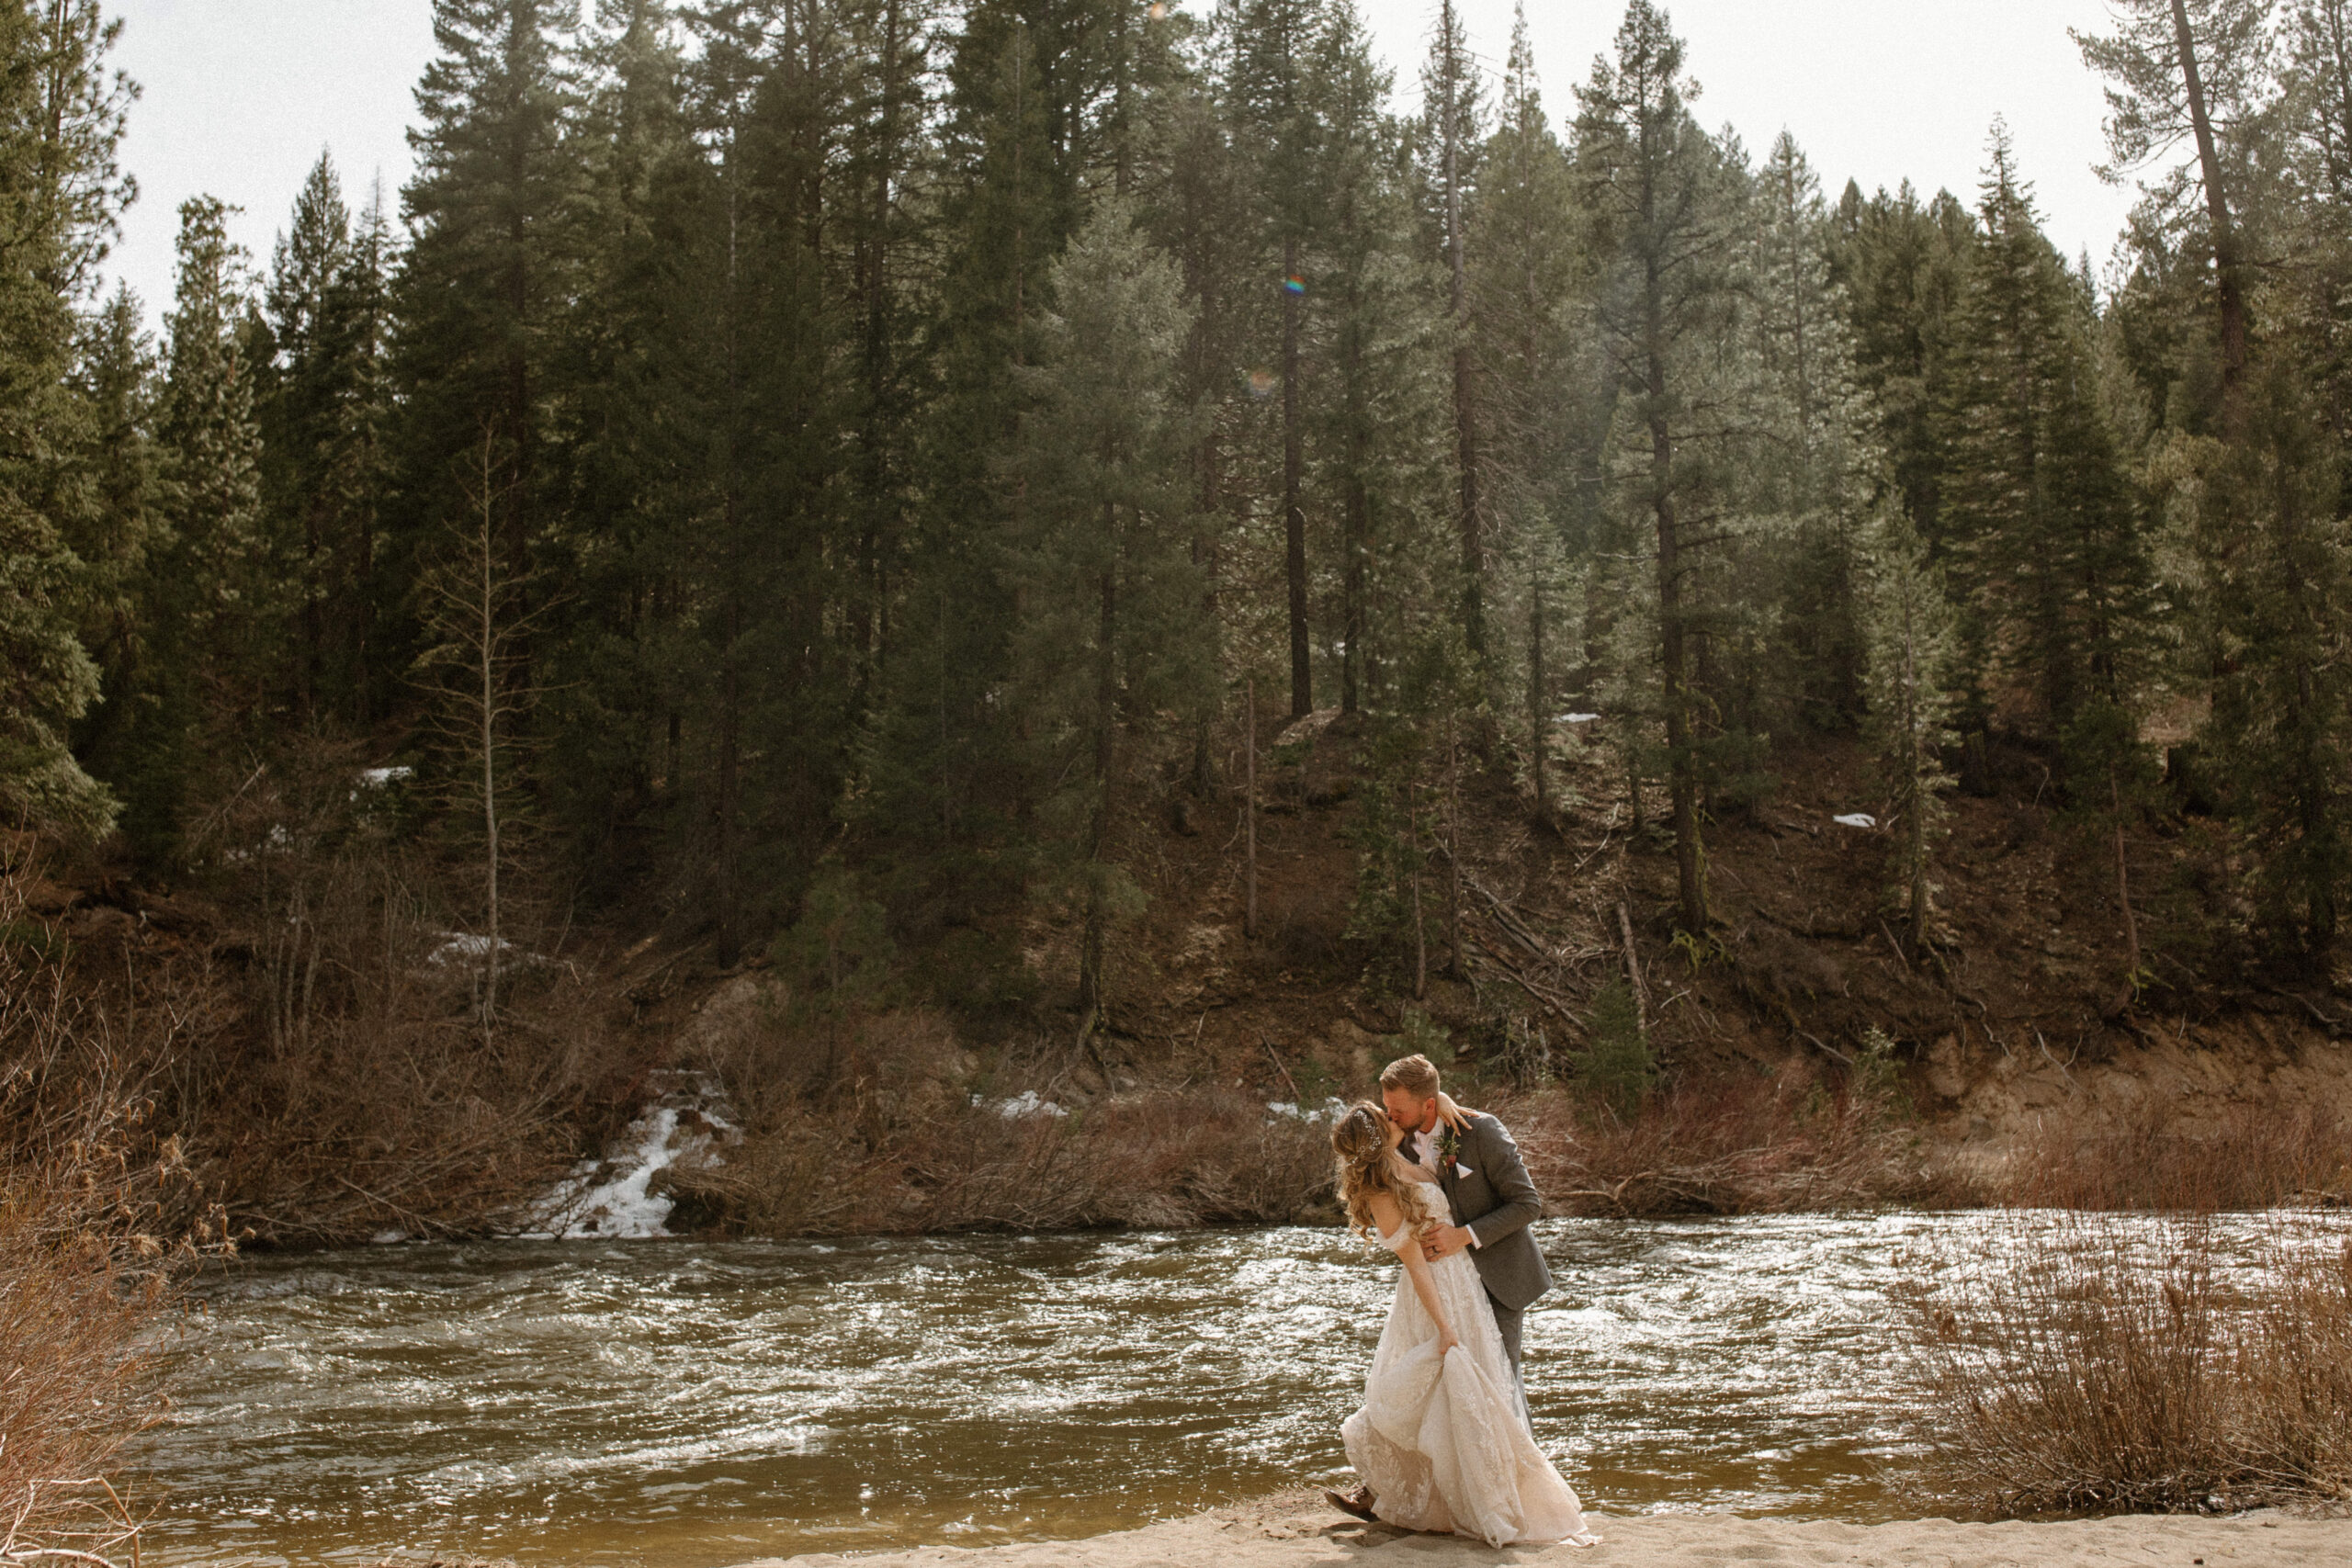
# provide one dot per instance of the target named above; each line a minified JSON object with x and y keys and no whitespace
{"x":311,"y":1053}
{"x":2016,"y":1028}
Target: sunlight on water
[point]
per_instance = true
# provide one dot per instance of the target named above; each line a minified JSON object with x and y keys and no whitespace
{"x":681,"y":1403}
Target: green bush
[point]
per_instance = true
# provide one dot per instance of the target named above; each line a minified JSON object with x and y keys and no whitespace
{"x":1616,"y":1065}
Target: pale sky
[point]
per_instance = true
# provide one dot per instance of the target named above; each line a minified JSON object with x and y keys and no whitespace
{"x":240,"y":96}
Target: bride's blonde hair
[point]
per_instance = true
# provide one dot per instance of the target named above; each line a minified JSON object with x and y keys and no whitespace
{"x":1360,"y":1140}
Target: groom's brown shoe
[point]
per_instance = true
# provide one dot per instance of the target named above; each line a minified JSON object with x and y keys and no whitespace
{"x":1358,"y":1502}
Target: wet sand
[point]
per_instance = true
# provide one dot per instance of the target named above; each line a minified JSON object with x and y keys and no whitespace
{"x":1292,"y":1531}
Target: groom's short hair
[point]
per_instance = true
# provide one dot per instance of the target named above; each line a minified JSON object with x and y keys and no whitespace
{"x":1415,"y":1075}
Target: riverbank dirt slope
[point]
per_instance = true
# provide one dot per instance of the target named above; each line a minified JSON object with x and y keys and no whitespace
{"x":322,"y":1073}
{"x":2016,"y":1023}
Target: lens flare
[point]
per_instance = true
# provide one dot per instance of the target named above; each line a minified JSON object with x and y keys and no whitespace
{"x":1294,"y":284}
{"x":1262,"y":383}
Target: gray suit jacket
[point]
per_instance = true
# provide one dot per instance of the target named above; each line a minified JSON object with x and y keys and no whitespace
{"x":1486,"y":1187}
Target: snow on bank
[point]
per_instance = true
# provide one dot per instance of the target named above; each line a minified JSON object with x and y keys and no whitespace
{"x":1026,"y":1103}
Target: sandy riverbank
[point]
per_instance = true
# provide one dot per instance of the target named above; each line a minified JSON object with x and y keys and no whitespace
{"x":1292,"y":1532}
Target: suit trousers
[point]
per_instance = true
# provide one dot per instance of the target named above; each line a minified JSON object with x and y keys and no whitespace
{"x":1508,"y":1322}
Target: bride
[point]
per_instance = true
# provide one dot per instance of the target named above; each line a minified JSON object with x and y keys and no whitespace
{"x":1441,"y":1440}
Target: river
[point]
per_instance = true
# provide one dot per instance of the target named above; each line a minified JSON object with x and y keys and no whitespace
{"x":682,"y":1404}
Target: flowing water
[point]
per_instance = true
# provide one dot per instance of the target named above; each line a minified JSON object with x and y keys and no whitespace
{"x":683,"y":1404}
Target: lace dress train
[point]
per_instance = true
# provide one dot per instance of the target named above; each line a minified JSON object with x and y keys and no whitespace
{"x":1443,"y":1443}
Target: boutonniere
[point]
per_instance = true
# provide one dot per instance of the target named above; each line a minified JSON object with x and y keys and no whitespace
{"x":1449,"y":1144}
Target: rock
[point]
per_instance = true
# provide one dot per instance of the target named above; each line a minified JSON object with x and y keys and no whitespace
{"x":729,"y":1014}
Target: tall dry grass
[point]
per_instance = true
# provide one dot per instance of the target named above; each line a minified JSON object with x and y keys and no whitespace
{"x":2090,"y":1364}
{"x":866,"y":1124}
{"x":1728,"y":1145}
{"x":95,"y":1228}
{"x":2243,"y":1157}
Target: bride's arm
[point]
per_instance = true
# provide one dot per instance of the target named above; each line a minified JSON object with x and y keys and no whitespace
{"x":1453,"y":1115}
{"x":1390,"y":1219}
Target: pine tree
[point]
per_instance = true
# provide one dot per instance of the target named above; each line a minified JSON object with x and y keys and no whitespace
{"x":643,"y":437}
{"x":1452,"y":136}
{"x":1811,"y":448}
{"x":1531,"y":290}
{"x":1111,"y":633}
{"x":211,"y":596}
{"x":1276,"y":110}
{"x":321,"y":409}
{"x":2045,"y":535}
{"x":491,"y":256}
{"x":112,"y":534}
{"x":1370,"y":419}
{"x":2273,"y":538}
{"x":2191,"y":71}
{"x":1669,"y":211}
{"x":211,"y":450}
{"x":1912,"y":649}
{"x":62,"y":117}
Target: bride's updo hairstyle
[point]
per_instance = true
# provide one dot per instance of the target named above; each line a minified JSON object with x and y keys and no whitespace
{"x":1360,"y":1140}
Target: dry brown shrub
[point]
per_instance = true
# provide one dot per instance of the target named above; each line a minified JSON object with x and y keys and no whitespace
{"x":93,"y":1206}
{"x":2098,"y":1364}
{"x":79,"y":1380}
{"x":2244,"y":1158}
{"x":350,"y":1083}
{"x":866,"y":1123}
{"x":1727,"y":1144}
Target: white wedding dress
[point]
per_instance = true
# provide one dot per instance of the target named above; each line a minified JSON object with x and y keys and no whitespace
{"x":1445,"y":1447}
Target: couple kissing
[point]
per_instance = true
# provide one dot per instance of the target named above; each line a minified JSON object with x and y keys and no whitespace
{"x":1444,"y":1442}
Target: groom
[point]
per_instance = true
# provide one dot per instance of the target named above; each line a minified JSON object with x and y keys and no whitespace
{"x":1492,"y":1200}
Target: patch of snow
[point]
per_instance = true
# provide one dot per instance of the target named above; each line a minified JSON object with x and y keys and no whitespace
{"x":388,"y":1238}
{"x":1856,"y":819}
{"x":1026,"y":1103}
{"x":1331,"y":1109}
{"x":1579,"y":718}
{"x":376,"y":778}
{"x":466,"y":945}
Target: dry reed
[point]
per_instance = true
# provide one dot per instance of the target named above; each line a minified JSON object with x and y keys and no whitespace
{"x":1734,"y":1143}
{"x":2088,"y":1363}
{"x":875,"y":1122}
{"x":2244,"y":1158}
{"x":87,"y":1254}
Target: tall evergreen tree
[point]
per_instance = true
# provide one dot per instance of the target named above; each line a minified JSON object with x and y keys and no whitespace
{"x":1277,"y":109}
{"x":1111,"y":633}
{"x":321,"y":410}
{"x":2194,"y":70}
{"x":1530,"y":293}
{"x":491,"y":256}
{"x":2046,"y":534}
{"x":1670,"y":210}
{"x":62,"y":114}
{"x":1452,"y":135}
{"x":1912,"y":648}
{"x":112,"y":534}
{"x":1811,"y":447}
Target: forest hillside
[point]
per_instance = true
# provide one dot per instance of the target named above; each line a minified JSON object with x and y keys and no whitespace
{"x":888,"y":556}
